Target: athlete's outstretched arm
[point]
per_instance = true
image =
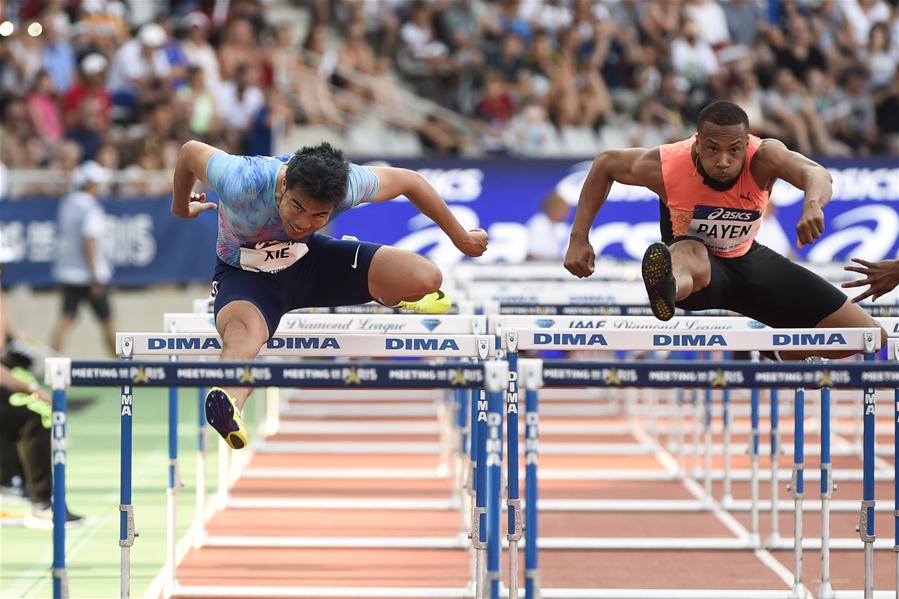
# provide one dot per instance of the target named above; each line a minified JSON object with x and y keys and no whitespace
{"x":775,"y":161}
{"x":190,"y":168}
{"x":882,"y":277}
{"x":636,"y":166}
{"x":395,"y":182}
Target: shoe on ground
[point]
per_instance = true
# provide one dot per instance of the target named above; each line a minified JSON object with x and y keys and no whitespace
{"x":659,"y":280}
{"x":224,"y":416}
{"x":437,"y":302}
{"x":41,"y":517}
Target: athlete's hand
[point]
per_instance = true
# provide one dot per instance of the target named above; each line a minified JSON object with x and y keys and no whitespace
{"x":580,"y":258}
{"x":473,"y":244}
{"x":810,"y":225}
{"x":198,"y":204}
{"x":882,"y":277}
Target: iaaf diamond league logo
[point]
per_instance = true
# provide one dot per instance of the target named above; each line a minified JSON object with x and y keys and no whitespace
{"x":430,"y":323}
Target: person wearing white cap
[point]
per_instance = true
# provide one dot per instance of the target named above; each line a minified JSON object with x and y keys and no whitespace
{"x":137,"y":64}
{"x":81,"y":269}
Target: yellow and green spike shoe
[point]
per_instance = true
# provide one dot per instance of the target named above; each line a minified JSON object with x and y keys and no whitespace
{"x":433,"y":303}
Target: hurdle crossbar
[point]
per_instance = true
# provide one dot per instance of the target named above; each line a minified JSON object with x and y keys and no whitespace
{"x":313,"y":345}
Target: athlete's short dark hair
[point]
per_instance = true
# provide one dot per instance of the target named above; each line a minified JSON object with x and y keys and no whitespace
{"x":320,"y":171}
{"x":722,"y":113}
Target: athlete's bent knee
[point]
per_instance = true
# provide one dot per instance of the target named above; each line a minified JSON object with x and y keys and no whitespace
{"x":427,"y":278}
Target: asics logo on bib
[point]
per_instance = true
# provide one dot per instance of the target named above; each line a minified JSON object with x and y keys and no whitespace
{"x":724,"y":214}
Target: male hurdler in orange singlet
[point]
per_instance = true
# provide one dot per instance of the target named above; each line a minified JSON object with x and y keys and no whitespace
{"x":713,"y":189}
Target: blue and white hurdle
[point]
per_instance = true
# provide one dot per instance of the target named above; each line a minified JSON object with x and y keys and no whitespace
{"x":857,"y":339}
{"x":62,"y":373}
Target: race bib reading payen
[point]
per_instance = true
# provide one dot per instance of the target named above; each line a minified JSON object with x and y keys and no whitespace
{"x":723,"y":229}
{"x":272,"y":256}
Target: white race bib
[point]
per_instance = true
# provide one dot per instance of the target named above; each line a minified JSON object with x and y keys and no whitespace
{"x":272,"y":256}
{"x":723,"y":229}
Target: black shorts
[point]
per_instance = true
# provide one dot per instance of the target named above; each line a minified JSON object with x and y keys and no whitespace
{"x":333,"y":273}
{"x":767,"y":287}
{"x":73,"y":295}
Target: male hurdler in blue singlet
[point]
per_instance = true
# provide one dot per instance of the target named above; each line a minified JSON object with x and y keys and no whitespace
{"x":272,"y":259}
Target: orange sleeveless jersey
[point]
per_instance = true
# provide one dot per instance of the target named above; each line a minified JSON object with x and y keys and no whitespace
{"x":725,"y":221}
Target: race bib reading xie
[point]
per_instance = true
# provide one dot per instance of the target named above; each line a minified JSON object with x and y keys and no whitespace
{"x":272,"y":256}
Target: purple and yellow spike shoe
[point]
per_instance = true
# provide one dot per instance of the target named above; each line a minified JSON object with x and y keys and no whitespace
{"x":222,"y":414}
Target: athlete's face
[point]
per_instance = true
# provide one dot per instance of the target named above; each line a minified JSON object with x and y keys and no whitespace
{"x":721,"y":150}
{"x":301,"y":214}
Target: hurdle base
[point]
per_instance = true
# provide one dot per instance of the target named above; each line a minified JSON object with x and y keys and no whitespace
{"x":825,"y":591}
{"x":798,"y":591}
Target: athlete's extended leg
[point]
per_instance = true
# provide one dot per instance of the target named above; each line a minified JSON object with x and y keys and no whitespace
{"x":673,"y":273}
{"x":243,"y":330}
{"x":848,"y":315}
{"x":401,"y":276}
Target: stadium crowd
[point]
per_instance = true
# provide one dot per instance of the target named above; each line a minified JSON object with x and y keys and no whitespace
{"x":91,"y":79}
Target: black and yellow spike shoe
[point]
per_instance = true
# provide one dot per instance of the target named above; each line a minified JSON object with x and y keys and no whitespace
{"x":222,"y":414}
{"x":659,"y":280}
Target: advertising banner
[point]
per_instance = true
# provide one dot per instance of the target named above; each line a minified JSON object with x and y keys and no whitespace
{"x":147,"y":245}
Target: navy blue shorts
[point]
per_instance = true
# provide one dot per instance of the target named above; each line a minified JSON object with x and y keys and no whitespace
{"x":333,"y":273}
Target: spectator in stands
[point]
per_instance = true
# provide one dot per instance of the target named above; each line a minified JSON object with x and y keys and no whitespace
{"x":496,"y":107}
{"x":887,"y":114}
{"x":238,"y":101}
{"x":693,"y":58}
{"x":530,"y":133}
{"x":744,"y":20}
{"x":654,"y":126}
{"x":89,"y":89}
{"x":862,"y":15}
{"x":25,"y":55}
{"x":58,"y":57}
{"x":139,"y":70}
{"x":239,"y":49}
{"x":43,"y":108}
{"x":198,"y":50}
{"x":785,"y":104}
{"x":81,"y":268}
{"x":857,"y":126}
{"x":198,"y":103}
{"x":711,"y":20}
{"x":881,"y":57}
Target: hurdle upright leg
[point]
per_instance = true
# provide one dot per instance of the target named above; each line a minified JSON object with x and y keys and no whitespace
{"x":479,"y":514}
{"x":200,"y":507}
{"x":532,"y":380}
{"x":825,"y":591}
{"x":513,"y":493}
{"x":774,"y":537}
{"x":127,"y":532}
{"x":174,"y":483}
{"x":697,"y":419}
{"x":896,"y":483}
{"x":726,"y":495}
{"x":707,"y":434}
{"x":58,"y":376}
{"x":754,"y":462}
{"x":866,"y":515}
{"x":474,"y":444}
{"x":797,"y":486}
{"x":494,"y":451}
